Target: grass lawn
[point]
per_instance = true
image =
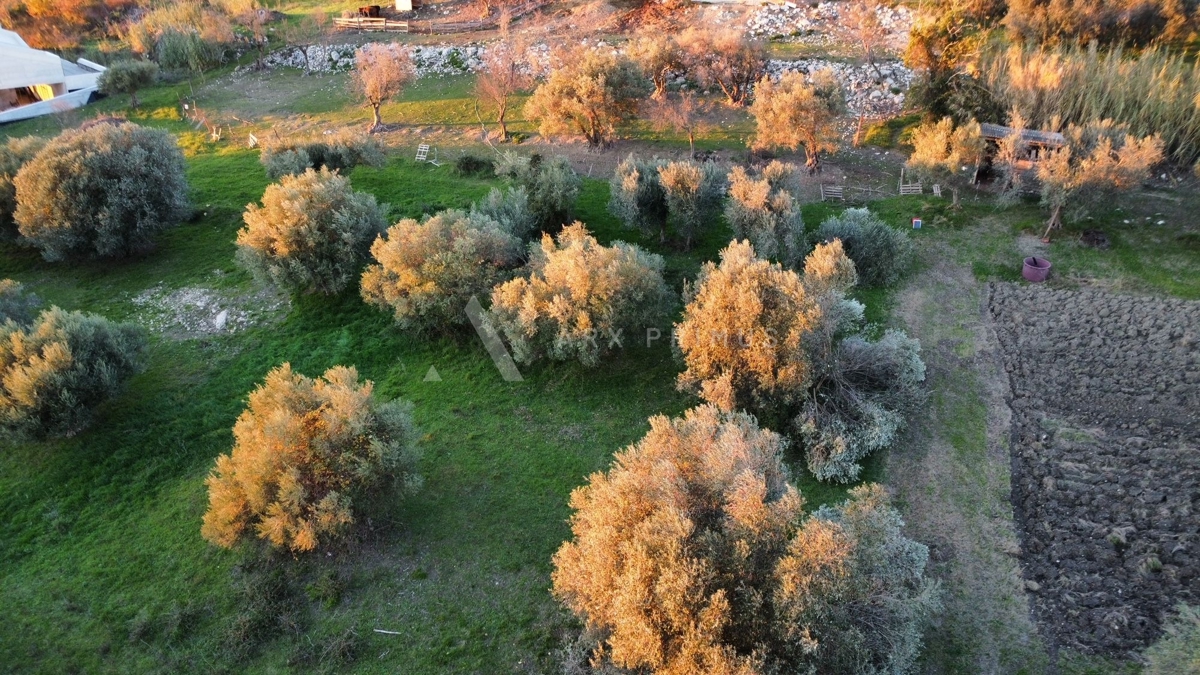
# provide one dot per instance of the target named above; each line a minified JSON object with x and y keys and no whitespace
{"x":103,"y":568}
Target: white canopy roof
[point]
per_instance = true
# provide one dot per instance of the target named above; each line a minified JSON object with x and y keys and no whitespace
{"x":21,"y":66}
{"x":11,"y":38}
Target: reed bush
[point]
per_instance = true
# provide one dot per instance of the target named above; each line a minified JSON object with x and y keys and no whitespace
{"x":1151,"y":93}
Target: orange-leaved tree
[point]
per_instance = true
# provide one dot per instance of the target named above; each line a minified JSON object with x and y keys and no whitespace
{"x":304,"y":450}
{"x":693,"y":554}
{"x":381,"y":72}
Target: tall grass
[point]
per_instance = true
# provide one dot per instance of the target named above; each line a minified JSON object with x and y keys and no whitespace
{"x":1153,"y":92}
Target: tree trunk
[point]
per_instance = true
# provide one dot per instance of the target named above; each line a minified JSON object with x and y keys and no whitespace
{"x":133,"y":102}
{"x":1055,"y":214}
{"x":692,"y":141}
{"x":501,"y":113}
{"x":378,"y":120}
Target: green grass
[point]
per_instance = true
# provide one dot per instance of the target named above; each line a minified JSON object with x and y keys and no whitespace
{"x":100,"y":550}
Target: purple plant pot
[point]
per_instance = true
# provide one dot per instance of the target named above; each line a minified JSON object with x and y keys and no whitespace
{"x":1036,"y":269}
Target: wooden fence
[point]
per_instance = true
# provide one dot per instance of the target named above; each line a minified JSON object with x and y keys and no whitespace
{"x":368,"y":24}
{"x":432,"y":27}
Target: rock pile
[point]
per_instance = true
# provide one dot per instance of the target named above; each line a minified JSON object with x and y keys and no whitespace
{"x":192,"y":312}
{"x":430,"y":61}
{"x":870,"y":93}
{"x":1106,"y":473}
{"x":825,"y":19}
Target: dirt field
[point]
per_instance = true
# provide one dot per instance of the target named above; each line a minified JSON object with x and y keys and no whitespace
{"x":1106,"y":477}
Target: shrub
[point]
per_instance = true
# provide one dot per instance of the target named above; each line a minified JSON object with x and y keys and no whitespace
{"x":694,"y":193}
{"x":742,"y":331}
{"x":14,"y":154}
{"x":855,"y":409}
{"x":589,"y":94}
{"x":785,"y":346}
{"x":304,"y":451}
{"x":182,"y":35}
{"x":510,"y":208}
{"x":428,"y":271}
{"x":16,"y":303}
{"x":101,"y":192}
{"x":468,"y":166}
{"x":1178,"y":651}
{"x":54,"y":372}
{"x":637,"y":198}
{"x":580,"y":299}
{"x":127,"y":77}
{"x":695,"y":549}
{"x":766,"y":212}
{"x":340,"y":153}
{"x":310,"y":234}
{"x":881,"y":254}
{"x":552,"y":186}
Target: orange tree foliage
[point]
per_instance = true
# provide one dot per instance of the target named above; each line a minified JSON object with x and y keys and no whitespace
{"x":788,"y":348}
{"x":693,"y":554}
{"x":589,"y":94}
{"x":54,"y":371}
{"x":427,"y":271}
{"x":381,"y":72}
{"x":14,"y":154}
{"x":303,"y":450}
{"x":580,"y":300}
{"x":742,"y":332}
{"x":311,"y":233}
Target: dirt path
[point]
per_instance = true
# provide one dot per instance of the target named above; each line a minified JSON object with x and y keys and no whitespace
{"x":951,"y":479}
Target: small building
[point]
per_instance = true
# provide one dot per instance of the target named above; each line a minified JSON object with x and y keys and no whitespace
{"x":34,"y":82}
{"x":1036,"y":141}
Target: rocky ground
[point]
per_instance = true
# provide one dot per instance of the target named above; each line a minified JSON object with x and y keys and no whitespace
{"x":826,"y":23}
{"x":1106,"y":476}
{"x":194,"y":312}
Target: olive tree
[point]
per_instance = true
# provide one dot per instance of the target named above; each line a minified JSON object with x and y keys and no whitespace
{"x":788,"y":348}
{"x":766,"y":211}
{"x":101,"y":192}
{"x":305,"y":452}
{"x":881,"y":254}
{"x":659,"y":56}
{"x":693,"y":553}
{"x":694,"y":192}
{"x":636,"y":196}
{"x":798,"y":112}
{"x":589,"y":94}
{"x":127,"y":77}
{"x":505,"y":72}
{"x":55,"y":370}
{"x":942,"y":152}
{"x":551,"y":186}
{"x":381,"y":72}
{"x":340,"y":153}
{"x":579,"y":300}
{"x":14,"y":154}
{"x":426,"y":271}
{"x":724,"y":58}
{"x":1098,"y":161}
{"x":311,"y":233}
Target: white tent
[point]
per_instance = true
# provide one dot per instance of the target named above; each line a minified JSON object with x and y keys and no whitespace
{"x":34,"y":82}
